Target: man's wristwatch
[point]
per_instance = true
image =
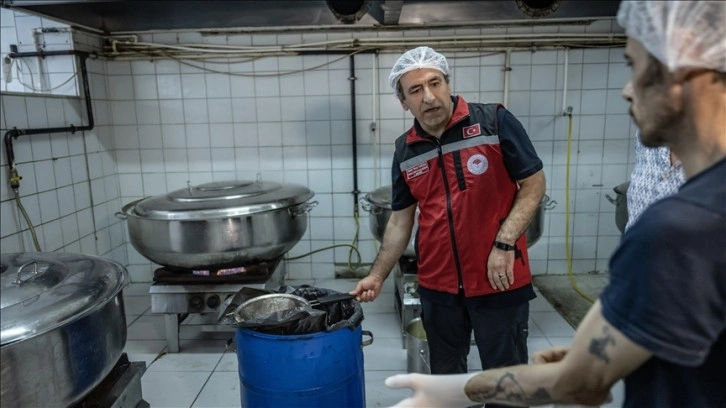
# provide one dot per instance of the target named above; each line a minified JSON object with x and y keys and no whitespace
{"x":504,"y":246}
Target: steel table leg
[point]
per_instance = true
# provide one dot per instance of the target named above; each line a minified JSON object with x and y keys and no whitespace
{"x":171,"y":321}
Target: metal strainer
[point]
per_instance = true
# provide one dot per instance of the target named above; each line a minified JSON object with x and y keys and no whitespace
{"x":262,"y":307}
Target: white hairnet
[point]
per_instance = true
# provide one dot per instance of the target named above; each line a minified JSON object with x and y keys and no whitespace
{"x":420,"y":57}
{"x":679,"y":33}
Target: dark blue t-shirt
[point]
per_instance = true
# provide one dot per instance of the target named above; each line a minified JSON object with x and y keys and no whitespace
{"x":667,"y":293}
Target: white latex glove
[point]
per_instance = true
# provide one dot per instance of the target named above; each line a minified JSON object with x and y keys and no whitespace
{"x":433,"y":390}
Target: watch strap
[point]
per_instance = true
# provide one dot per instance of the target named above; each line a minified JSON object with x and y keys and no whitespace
{"x":504,"y":246}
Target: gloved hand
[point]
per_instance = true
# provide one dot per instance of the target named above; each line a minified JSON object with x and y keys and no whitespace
{"x":433,"y":390}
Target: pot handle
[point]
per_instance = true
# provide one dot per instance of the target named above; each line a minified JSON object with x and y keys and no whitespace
{"x":365,"y":205}
{"x":121,"y":215}
{"x":18,"y":279}
{"x":369,"y":341}
{"x":550,"y":204}
{"x":302,"y":209}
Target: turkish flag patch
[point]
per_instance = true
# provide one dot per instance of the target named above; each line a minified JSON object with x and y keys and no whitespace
{"x":471,"y":131}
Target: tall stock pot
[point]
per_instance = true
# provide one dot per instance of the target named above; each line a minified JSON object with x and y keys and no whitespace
{"x":63,"y":326}
{"x":219,"y":224}
{"x":378,"y":205}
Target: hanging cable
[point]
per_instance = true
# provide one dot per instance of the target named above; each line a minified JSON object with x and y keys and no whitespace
{"x":567,"y":210}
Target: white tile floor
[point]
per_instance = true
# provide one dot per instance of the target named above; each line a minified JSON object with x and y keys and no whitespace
{"x":204,"y":374}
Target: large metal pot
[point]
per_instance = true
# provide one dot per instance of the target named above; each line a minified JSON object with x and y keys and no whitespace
{"x":219,"y":224}
{"x":378,"y":205}
{"x":536,"y":226}
{"x":63,"y":326}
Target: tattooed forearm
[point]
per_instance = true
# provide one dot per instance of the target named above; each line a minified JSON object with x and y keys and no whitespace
{"x":599,"y":344}
{"x":505,"y":389}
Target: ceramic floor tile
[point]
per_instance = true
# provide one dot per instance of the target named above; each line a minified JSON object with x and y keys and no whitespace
{"x":172,"y":389}
{"x":203,"y":346}
{"x":144,"y":350}
{"x":377,"y":394}
{"x":552,"y":324}
{"x":186,"y":362}
{"x":228,"y":362}
{"x":385,"y":354}
{"x":137,"y":305}
{"x":130,"y":319}
{"x":382,"y":325}
{"x":137,"y":289}
{"x":565,"y":341}
{"x":540,"y":304}
{"x":221,"y":391}
{"x":147,"y":327}
{"x":534,"y":330}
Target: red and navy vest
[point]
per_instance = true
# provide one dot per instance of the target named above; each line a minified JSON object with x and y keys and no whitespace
{"x":464,"y":194}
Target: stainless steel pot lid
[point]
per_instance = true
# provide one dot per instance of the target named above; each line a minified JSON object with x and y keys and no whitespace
{"x":381,"y":197}
{"x":220,"y":200}
{"x":41,"y":291}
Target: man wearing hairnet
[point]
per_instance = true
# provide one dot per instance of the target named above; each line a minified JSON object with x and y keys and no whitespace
{"x":477,"y":181}
{"x":661,"y":322}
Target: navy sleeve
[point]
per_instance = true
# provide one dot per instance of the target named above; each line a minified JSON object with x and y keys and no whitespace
{"x":401,"y":194}
{"x":520,"y":158}
{"x":667,"y":289}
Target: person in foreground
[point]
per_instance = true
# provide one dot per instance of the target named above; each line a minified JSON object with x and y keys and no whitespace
{"x":661,"y":322}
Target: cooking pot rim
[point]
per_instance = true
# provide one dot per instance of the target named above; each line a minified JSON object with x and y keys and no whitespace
{"x":251,"y":198}
{"x":70,"y":294}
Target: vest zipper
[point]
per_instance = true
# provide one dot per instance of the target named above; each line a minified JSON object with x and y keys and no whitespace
{"x":449,"y":213}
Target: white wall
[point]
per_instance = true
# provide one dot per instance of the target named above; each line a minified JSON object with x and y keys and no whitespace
{"x":169,"y":123}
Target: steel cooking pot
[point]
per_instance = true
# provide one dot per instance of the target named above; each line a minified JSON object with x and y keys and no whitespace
{"x":219,"y":224}
{"x":378,"y":205}
{"x":536,"y":226}
{"x":63,"y":326}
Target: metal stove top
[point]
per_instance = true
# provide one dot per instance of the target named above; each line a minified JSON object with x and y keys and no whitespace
{"x":177,"y":294}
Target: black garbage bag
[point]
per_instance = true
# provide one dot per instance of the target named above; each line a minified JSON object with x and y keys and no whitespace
{"x":301,"y":319}
{"x":346,"y":313}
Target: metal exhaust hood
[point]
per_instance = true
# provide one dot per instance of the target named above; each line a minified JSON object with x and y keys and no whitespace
{"x":122,"y":16}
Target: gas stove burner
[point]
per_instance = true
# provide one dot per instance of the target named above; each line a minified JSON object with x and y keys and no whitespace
{"x":255,"y":273}
{"x":178,"y":294}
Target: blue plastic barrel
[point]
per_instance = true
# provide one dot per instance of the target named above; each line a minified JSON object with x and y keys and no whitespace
{"x":323,"y":369}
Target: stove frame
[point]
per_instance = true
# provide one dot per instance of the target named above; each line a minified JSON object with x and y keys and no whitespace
{"x":406,"y":300}
{"x":177,"y":301}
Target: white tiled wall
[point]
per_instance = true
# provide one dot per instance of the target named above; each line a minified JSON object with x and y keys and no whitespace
{"x":164,"y":123}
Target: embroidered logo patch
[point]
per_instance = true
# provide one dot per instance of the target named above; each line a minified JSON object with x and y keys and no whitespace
{"x":471,"y":131}
{"x":477,"y":164}
{"x":417,"y":170}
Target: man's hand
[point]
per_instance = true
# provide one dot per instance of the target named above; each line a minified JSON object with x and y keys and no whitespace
{"x":500,"y":269}
{"x":367,"y":289}
{"x":433,"y":390}
{"x":550,"y":355}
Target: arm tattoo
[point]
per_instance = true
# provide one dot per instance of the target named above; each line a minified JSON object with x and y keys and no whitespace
{"x":598,"y":345}
{"x":508,"y":389}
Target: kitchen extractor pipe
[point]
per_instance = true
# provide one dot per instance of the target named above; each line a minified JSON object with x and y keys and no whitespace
{"x":14,"y":133}
{"x":354,"y":136}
